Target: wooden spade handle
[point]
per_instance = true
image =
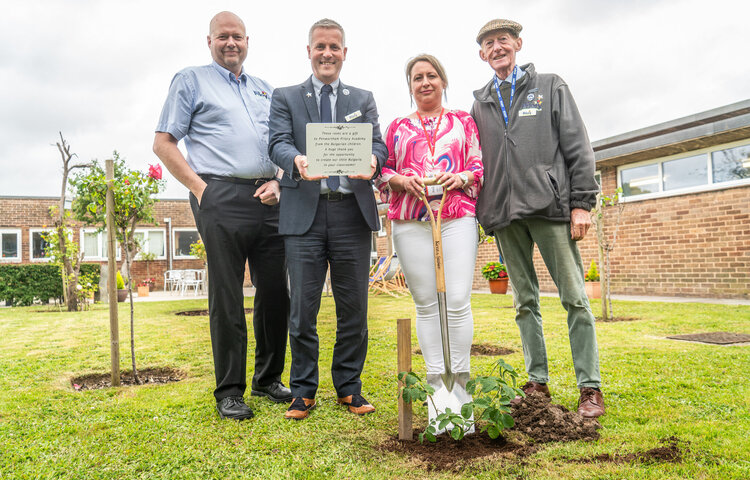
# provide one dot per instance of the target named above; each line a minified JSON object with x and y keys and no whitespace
{"x":437,"y":240}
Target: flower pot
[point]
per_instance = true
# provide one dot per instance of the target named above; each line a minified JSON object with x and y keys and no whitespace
{"x":122,"y":295}
{"x":143,"y":291}
{"x":594,"y":289}
{"x":499,"y":285}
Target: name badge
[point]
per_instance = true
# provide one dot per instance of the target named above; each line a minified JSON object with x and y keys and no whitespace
{"x":352,"y":116}
{"x":527,"y":112}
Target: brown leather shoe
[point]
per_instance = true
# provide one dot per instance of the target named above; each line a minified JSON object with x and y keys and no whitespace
{"x":591,"y":403}
{"x":357,"y":404}
{"x":300,"y":408}
{"x":529,"y":388}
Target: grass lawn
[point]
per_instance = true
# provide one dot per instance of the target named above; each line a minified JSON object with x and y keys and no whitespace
{"x":654,"y":388}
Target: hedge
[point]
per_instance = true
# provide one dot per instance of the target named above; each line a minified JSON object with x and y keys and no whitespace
{"x":23,"y":284}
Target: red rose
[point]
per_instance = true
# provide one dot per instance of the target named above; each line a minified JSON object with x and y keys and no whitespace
{"x":154,"y":171}
{"x":126,"y":182}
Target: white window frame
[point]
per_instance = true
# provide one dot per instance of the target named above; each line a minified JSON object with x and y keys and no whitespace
{"x":174,"y":242}
{"x":707,"y":187}
{"x":19,"y":246}
{"x":32,"y":231}
{"x":164,"y":238}
{"x":100,"y":237}
{"x":382,"y":232}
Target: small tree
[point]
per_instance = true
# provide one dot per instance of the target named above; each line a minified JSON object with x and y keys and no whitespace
{"x":63,"y":250}
{"x":602,"y":218}
{"x":133,"y":199}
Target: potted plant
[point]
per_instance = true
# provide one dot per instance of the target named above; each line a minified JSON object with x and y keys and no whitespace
{"x":497,"y":275}
{"x":145,"y":286}
{"x":593,"y":287}
{"x":122,"y":294}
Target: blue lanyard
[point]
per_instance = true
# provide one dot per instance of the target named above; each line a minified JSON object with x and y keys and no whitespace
{"x":512,"y":91}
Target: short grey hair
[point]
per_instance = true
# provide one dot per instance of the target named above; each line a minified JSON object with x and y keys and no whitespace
{"x":327,"y":23}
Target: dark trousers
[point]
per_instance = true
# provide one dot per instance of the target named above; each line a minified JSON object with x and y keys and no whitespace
{"x":339,"y":237}
{"x":237,"y":228}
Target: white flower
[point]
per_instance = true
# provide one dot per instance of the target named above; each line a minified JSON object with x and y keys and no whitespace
{"x":79,"y":287}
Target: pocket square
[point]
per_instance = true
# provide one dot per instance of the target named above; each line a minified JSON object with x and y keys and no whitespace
{"x":353,"y":115}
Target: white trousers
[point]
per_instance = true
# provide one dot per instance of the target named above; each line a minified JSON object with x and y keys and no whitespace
{"x":413,"y":243}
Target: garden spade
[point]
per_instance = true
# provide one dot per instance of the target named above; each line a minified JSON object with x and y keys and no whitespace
{"x":451,"y":394}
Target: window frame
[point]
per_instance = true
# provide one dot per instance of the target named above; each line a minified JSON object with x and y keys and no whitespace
{"x":32,"y":231}
{"x":100,"y":236}
{"x":173,"y":245}
{"x":164,"y":239}
{"x":707,"y":187}
{"x":19,"y":246}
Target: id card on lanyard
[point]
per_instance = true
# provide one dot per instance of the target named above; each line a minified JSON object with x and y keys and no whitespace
{"x":503,"y":110}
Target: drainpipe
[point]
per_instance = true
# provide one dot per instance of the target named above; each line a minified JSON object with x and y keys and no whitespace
{"x":168,"y":221}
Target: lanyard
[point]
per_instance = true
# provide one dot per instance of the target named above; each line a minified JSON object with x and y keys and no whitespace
{"x":431,"y":139}
{"x":500,"y":97}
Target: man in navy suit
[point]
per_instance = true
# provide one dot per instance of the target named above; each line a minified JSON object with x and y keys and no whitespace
{"x":326,"y":221}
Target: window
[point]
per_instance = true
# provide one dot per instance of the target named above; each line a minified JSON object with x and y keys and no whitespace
{"x":382,"y":232}
{"x":151,"y":241}
{"x":731,"y":164}
{"x":707,"y":169}
{"x":598,"y":178}
{"x":10,"y":245}
{"x":182,"y":239}
{"x":94,"y":245}
{"x":39,"y":246}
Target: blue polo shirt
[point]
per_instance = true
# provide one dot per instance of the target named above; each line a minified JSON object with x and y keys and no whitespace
{"x":223,"y":119}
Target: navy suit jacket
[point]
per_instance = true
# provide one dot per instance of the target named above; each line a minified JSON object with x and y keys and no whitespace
{"x":291,"y":110}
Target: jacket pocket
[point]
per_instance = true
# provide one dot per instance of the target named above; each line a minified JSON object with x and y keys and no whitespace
{"x":555,"y":188}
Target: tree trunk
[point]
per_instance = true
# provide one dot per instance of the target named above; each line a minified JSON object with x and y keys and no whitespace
{"x":128,"y":258}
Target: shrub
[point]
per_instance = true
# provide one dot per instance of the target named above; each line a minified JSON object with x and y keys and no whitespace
{"x":25,"y":284}
{"x":494,"y":270}
{"x":593,"y":274}
{"x":120,"y":281}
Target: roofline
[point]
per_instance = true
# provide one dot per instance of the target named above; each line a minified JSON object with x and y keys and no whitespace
{"x":702,"y":118}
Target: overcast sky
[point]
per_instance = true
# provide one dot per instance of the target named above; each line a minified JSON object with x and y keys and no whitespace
{"x":99,"y":70}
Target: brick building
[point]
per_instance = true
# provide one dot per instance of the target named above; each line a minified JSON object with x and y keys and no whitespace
{"x":23,"y":220}
{"x":685,"y":229}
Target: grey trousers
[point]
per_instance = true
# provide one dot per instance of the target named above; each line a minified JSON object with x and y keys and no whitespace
{"x":563,"y":261}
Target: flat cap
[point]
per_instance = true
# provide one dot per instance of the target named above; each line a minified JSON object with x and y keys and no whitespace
{"x":499,"y":24}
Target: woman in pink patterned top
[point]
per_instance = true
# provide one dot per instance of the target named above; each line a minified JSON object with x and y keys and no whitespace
{"x":440,"y":143}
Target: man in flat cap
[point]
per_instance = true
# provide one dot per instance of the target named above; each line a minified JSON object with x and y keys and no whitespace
{"x":539,"y":188}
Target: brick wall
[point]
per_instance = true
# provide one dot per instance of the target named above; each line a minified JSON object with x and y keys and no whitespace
{"x":26,"y":213}
{"x":687,"y":245}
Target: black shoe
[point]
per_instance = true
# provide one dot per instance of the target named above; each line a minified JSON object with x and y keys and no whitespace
{"x":234,"y":408}
{"x":276,"y":392}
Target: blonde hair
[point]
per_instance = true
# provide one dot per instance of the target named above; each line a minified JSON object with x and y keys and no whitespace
{"x":424,"y":57}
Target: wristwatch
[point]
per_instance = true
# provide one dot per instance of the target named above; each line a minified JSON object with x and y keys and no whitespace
{"x":464,"y":178}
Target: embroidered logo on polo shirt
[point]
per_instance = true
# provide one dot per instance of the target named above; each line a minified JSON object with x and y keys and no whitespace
{"x":261,"y":93}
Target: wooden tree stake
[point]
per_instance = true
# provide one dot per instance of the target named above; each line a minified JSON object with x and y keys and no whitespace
{"x":114,"y":327}
{"x":403,"y":347}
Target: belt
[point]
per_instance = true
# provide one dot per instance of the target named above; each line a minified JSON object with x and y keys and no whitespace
{"x":242,"y":181}
{"x":335,"y":196}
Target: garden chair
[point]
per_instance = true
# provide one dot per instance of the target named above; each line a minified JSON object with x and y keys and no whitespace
{"x":191,"y":279}
{"x":172,"y":280}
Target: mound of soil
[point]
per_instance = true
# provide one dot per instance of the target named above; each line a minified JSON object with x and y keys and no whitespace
{"x":545,"y":422}
{"x":447,"y":454}
{"x":669,"y":452}
{"x":482,"y":349}
{"x":204,"y":313}
{"x":717,"y":338}
{"x":617,"y":319}
{"x":159,"y":375}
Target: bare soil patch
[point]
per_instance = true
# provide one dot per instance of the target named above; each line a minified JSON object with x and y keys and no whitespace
{"x":204,"y":313}
{"x":447,"y":454}
{"x":482,"y":349}
{"x":617,"y":319}
{"x":538,"y":421}
{"x":545,"y":422}
{"x":716,"y":338}
{"x":152,"y":376}
{"x":669,"y":452}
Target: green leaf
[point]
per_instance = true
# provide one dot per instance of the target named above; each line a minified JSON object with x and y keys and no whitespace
{"x":482,"y":402}
{"x":471,"y":385}
{"x":508,"y":421}
{"x":493,"y":431}
{"x":467,"y":409}
{"x":488,"y":384}
{"x":430,"y":437}
{"x":443,"y":423}
{"x":421,"y":437}
{"x":457,"y":433}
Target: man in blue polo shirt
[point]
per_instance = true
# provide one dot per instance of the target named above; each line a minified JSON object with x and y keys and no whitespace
{"x":222,"y":114}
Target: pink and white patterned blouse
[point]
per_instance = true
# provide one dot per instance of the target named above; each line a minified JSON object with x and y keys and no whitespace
{"x":456,"y":150}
